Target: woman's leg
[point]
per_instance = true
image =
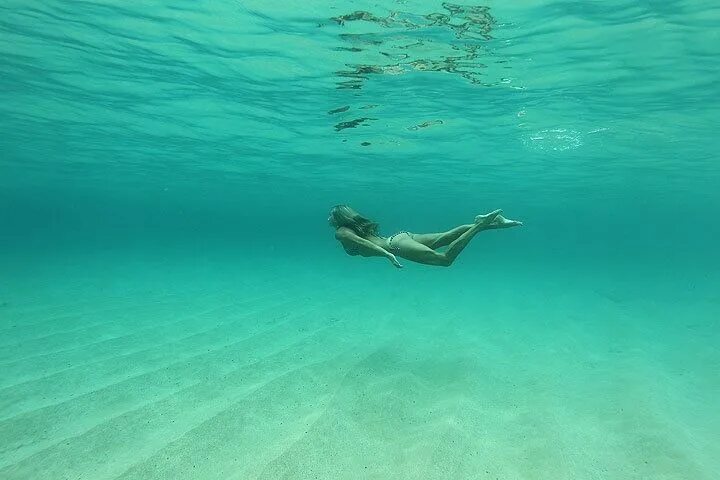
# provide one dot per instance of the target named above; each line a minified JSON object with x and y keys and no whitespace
{"x":438,"y":240}
{"x":482,"y":222}
{"x":417,"y":252}
{"x":501,"y":222}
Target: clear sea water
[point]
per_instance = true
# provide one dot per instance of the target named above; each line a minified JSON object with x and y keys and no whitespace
{"x":173,"y":303}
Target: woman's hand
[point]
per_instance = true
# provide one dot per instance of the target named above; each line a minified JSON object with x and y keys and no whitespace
{"x":393,"y":259}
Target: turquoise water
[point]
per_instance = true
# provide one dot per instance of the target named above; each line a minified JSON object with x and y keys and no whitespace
{"x":173,"y":303}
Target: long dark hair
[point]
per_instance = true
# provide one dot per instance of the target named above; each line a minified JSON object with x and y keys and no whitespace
{"x":344,"y":216}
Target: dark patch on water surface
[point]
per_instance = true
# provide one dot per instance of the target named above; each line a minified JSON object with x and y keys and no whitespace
{"x":361,"y":15}
{"x":352,"y":123}
{"x":426,"y":124}
{"x":347,"y":49}
{"x":339,"y":110}
{"x":356,"y":75}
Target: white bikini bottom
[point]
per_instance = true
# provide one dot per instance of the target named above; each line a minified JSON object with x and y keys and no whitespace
{"x":392,"y":240}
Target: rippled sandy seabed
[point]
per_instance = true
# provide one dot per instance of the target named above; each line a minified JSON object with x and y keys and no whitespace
{"x":246,"y":369}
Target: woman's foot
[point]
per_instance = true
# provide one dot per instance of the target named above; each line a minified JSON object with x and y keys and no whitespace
{"x":487,"y":219}
{"x":502,"y":222}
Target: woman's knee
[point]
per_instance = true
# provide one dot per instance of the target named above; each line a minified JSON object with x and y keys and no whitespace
{"x":439,"y":241}
{"x":440,"y":260}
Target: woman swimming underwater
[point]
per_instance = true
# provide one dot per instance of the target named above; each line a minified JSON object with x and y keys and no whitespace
{"x":359,"y":236}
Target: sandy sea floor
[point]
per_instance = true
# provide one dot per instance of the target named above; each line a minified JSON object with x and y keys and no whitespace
{"x":130,"y":367}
